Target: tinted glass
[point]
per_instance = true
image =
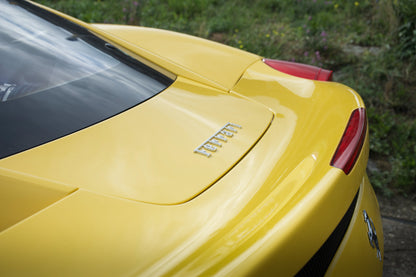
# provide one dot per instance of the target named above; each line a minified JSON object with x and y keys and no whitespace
{"x":57,"y":78}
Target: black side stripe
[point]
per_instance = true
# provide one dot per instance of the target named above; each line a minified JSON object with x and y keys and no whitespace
{"x":319,"y":263}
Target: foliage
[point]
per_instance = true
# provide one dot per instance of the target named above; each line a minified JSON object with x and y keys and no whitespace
{"x":406,"y":10}
{"x":371,"y":45}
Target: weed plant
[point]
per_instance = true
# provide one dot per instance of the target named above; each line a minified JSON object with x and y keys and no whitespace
{"x":370,"y":44}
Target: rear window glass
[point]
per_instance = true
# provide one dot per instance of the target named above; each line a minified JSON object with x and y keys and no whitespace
{"x":57,"y":78}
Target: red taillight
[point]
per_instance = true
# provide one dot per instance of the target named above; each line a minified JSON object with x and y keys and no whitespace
{"x":352,"y":141}
{"x":300,"y":70}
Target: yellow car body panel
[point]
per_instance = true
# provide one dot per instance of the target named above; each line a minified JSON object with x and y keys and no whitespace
{"x":90,"y":234}
{"x":349,"y":261}
{"x":263,"y":204}
{"x":22,"y":195}
{"x":125,"y":161}
{"x":194,"y":54}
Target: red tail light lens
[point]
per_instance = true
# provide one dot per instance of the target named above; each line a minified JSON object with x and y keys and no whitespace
{"x":351,"y":142}
{"x":300,"y":70}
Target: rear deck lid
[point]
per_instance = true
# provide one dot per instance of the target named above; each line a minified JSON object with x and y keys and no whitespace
{"x":166,"y":150}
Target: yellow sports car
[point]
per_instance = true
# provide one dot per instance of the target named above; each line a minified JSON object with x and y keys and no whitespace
{"x":141,"y":152}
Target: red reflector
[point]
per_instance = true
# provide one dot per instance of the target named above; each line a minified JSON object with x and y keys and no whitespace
{"x":352,"y":140}
{"x":300,"y":70}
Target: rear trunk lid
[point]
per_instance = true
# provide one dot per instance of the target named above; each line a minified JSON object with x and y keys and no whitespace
{"x":166,"y":150}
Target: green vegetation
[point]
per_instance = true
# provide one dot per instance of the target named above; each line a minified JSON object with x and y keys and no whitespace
{"x":370,"y":44}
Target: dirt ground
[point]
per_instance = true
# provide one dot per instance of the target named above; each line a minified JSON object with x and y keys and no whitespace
{"x":399,"y":225}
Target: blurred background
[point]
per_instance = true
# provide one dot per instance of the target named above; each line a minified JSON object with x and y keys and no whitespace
{"x":370,"y":45}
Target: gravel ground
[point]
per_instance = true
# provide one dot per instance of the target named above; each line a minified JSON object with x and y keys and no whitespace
{"x":399,"y":226}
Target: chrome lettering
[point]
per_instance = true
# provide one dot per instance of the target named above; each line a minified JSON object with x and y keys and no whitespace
{"x":228,"y":134}
{"x":202,"y":152}
{"x":210,"y":147}
{"x":228,"y":130}
{"x":220,"y":137}
{"x":215,"y":142}
{"x":234,"y":125}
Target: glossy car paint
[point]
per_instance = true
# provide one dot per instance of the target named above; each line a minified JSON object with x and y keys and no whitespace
{"x":266,"y":214}
{"x":150,"y":160}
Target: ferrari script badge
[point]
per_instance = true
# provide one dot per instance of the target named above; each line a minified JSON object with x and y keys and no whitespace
{"x":216,"y":140}
{"x":372,"y":235}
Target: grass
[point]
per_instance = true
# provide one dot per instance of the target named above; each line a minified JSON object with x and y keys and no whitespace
{"x":370,"y":44}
